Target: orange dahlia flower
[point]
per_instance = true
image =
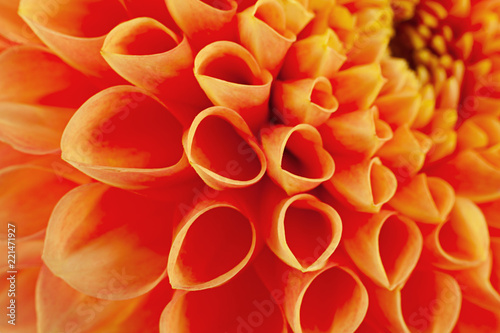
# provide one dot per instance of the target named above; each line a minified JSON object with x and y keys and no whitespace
{"x":249,"y":166}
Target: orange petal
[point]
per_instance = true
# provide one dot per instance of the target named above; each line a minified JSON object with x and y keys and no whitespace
{"x":32,"y":75}
{"x":424,"y":199}
{"x":222,"y":150}
{"x":112,"y":235}
{"x":125,"y":137}
{"x":332,"y":299}
{"x":21,"y":316}
{"x":357,"y":87}
{"x":364,"y":186}
{"x":357,"y":132}
{"x":60,"y":308}
{"x":405,"y":153}
{"x":20,"y":199}
{"x":243,"y":304}
{"x":478,"y":132}
{"x":263,"y":31}
{"x":151,"y":56}
{"x":213,"y":242}
{"x":307,"y":101}
{"x":429,"y":302}
{"x":296,"y":158}
{"x":13,"y":27}
{"x":156,"y":9}
{"x":385,"y":246}
{"x":400,"y":108}
{"x":474,"y":319}
{"x":317,"y":55}
{"x":297,"y":15}
{"x":474,"y":174}
{"x":204,"y":21}
{"x":76,"y":30}
{"x":301,"y":230}
{"x":463,"y":241}
{"x":231,"y":77}
{"x":491,"y":211}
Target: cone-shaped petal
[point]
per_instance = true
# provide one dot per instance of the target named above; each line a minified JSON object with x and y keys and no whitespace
{"x":212,"y":243}
{"x":125,"y":137}
{"x":301,"y":230}
{"x":314,"y":56}
{"x":399,"y":109}
{"x":429,"y":302}
{"x":384,"y":246}
{"x":75,"y":30}
{"x":355,"y":133}
{"x":107,"y":234}
{"x":462,"y":241}
{"x":424,"y":199}
{"x":296,"y":158}
{"x":241,"y":305}
{"x":263,"y":31}
{"x":61,"y":308}
{"x":230,"y":76}
{"x":149,"y":55}
{"x":332,"y":299}
{"x":308,"y":101}
{"x":405,"y":153}
{"x":222,"y":150}
{"x":364,"y":186}
{"x":478,"y":132}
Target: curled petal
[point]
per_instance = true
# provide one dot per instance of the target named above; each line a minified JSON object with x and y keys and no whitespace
{"x":424,"y":199}
{"x":24,"y":315}
{"x":474,"y":318}
{"x":204,"y":21}
{"x":151,"y":56}
{"x":14,"y":30}
{"x":212,"y":243}
{"x":399,"y":109}
{"x":358,"y":86}
{"x":386,"y":247}
{"x":474,"y":174}
{"x":332,"y":299}
{"x":108,"y":234}
{"x":32,"y":75}
{"x":317,"y":55}
{"x":301,"y":230}
{"x":125,"y":137}
{"x":297,"y":15}
{"x":61,"y":308}
{"x":480,"y":131}
{"x":429,"y":302}
{"x":20,"y":199}
{"x":308,"y":101}
{"x":231,"y":77}
{"x":76,"y":30}
{"x":462,"y":241}
{"x":263,"y":31}
{"x":156,"y":9}
{"x":222,"y":150}
{"x":364,"y":186}
{"x":358,"y":133}
{"x":243,"y":304}
{"x":491,"y":211}
{"x":405,"y":153}
{"x":296,"y":158}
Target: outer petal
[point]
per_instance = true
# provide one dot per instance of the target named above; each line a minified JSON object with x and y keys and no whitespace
{"x":75,"y":30}
{"x":125,"y":137}
{"x":429,"y":302}
{"x":263,"y":31}
{"x":478,"y":132}
{"x":231,"y":77}
{"x":296,"y":158}
{"x":61,"y":308}
{"x":474,"y":318}
{"x":13,"y":28}
{"x":241,"y":305}
{"x":355,"y":133}
{"x":461,"y":242}
{"x":385,"y":246}
{"x":308,"y":101}
{"x":294,"y":225}
{"x":364,"y":186}
{"x":329,"y":300}
{"x":399,"y":109}
{"x":424,"y":199}
{"x":223,"y":151}
{"x":212,"y":243}
{"x":113,"y":235}
{"x":151,"y":56}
